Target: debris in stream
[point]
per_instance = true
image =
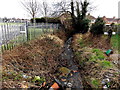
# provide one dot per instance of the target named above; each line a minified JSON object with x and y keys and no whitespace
{"x":65,"y":71}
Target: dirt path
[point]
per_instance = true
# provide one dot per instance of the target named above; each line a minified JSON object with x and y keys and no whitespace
{"x":67,"y":55}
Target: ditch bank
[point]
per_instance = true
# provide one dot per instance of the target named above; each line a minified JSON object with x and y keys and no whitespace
{"x":97,"y":69}
{"x":23,"y":64}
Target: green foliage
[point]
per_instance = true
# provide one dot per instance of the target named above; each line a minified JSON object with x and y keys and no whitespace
{"x":38,"y":20}
{"x":38,"y":79}
{"x":95,"y":83}
{"x":105,"y":64}
{"x":93,"y":58}
{"x":80,"y":23}
{"x":56,"y":45}
{"x":46,"y":19}
{"x":11,"y":75}
{"x":84,"y":25}
{"x":81,"y":42}
{"x":99,"y":54}
{"x":98,"y":27}
{"x":115,"y":42}
{"x":18,"y":77}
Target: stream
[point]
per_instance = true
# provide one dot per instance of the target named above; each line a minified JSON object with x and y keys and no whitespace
{"x":75,"y":80}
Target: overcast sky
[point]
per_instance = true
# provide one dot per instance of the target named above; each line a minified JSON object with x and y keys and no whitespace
{"x":13,"y":8}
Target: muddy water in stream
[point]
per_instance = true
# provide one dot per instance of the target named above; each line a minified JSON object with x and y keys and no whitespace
{"x":67,"y":54}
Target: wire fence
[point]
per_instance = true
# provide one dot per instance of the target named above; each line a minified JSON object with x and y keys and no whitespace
{"x":40,"y":28}
{"x":12,"y":34}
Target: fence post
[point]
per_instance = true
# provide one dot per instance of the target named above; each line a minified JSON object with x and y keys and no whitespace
{"x":27,"y":33}
{"x":0,"y":55}
{"x":0,"y":38}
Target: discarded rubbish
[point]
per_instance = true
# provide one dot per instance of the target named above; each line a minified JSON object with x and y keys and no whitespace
{"x":25,"y":76}
{"x":69,"y":85}
{"x":55,"y":86}
{"x":63,"y":79}
{"x":108,"y":52}
{"x":105,"y":86}
{"x":65,"y":71}
{"x":43,"y":84}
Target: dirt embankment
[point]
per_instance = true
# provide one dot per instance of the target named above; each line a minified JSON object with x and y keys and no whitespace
{"x":97,"y":69}
{"x":34,"y":58}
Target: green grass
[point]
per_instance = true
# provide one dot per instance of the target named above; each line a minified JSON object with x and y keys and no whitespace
{"x":99,"y":53}
{"x":18,"y":40}
{"x":106,"y":64}
{"x":81,"y":42}
{"x":115,"y":41}
{"x":32,"y":34}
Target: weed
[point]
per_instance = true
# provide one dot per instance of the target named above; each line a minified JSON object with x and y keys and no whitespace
{"x":18,"y":77}
{"x":56,"y":45}
{"x":105,"y":63}
{"x":95,"y":83}
{"x":81,"y":42}
{"x":93,"y":58}
{"x":115,"y":42}
{"x":99,"y":54}
{"x":38,"y":80}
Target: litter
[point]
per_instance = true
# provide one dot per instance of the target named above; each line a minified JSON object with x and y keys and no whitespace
{"x":108,"y":52}
{"x":55,"y":86}
{"x":69,"y":85}
{"x":105,"y":86}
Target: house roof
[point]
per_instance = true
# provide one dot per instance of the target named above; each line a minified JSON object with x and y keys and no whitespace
{"x":109,"y":19}
{"x":90,"y":17}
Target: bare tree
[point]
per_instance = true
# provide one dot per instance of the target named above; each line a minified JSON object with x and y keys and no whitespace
{"x":32,"y":7}
{"x":60,"y":7}
{"x":45,"y":9}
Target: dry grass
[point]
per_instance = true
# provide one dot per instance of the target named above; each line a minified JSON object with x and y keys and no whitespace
{"x":37,"y":57}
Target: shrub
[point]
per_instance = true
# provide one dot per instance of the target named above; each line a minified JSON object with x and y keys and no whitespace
{"x":38,"y":20}
{"x":98,"y":27}
{"x":85,"y":25}
{"x":46,"y":19}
